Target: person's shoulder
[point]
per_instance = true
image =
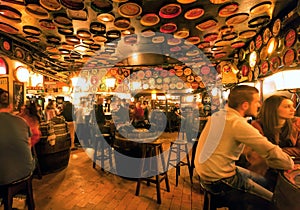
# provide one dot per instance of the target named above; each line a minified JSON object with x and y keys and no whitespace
{"x":296,"y":122}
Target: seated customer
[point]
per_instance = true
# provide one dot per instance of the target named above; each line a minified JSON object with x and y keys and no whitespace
{"x":15,"y":154}
{"x":276,"y":121}
{"x":222,"y":142}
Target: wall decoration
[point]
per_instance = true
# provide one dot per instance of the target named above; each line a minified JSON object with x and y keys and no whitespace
{"x":4,"y":83}
{"x":18,"y":95}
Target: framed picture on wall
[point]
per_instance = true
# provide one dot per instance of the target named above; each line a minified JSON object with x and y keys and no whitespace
{"x":4,"y":83}
{"x":18,"y":95}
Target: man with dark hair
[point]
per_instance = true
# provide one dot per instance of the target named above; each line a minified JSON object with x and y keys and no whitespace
{"x":15,"y":154}
{"x":222,"y":141}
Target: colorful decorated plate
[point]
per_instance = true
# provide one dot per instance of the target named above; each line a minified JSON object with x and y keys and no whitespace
{"x":247,"y":34}
{"x":168,"y":28}
{"x":276,"y":27}
{"x":290,"y":38}
{"x":206,"y":24}
{"x":10,"y":13}
{"x":275,"y":62}
{"x":7,"y":28}
{"x":51,"y":5}
{"x":237,"y":18}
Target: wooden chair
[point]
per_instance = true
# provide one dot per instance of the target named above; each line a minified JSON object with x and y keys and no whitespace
{"x":20,"y":186}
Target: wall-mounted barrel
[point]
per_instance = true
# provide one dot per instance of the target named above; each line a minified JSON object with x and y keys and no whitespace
{"x":53,"y":156}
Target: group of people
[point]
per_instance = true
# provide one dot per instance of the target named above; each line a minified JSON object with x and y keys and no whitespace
{"x":271,"y":140}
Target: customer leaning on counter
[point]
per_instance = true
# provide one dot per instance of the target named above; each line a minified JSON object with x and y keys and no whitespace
{"x":276,"y":121}
{"x":16,"y":161}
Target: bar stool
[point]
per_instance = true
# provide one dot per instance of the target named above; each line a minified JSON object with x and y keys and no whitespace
{"x":103,"y":148}
{"x":178,"y":147}
{"x":8,"y":191}
{"x":153,"y":150}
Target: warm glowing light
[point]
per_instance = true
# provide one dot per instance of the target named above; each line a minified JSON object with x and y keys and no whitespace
{"x":110,"y":82}
{"x":36,"y":79}
{"x":65,"y":89}
{"x":153,"y":96}
{"x":22,"y":74}
{"x":272,"y":45}
{"x":252,"y":59}
{"x":136,"y":85}
{"x":189,"y":98}
{"x":2,"y":70}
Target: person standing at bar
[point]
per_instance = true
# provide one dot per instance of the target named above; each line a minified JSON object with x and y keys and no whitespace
{"x":222,"y":141}
{"x":15,"y":153}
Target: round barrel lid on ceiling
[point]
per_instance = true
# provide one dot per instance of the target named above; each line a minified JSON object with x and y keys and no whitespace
{"x":194,"y":13}
{"x":47,"y":24}
{"x":186,"y":1}
{"x":206,"y":24}
{"x":65,"y":31}
{"x":73,"y":4}
{"x":130,"y":10}
{"x":33,"y":39}
{"x":122,"y":23}
{"x":10,"y":13}
{"x":51,"y":5}
{"x":7,"y":28}
{"x":36,"y":11}
{"x":261,"y":7}
{"x":150,"y":19}
{"x":97,"y":28}
{"x":259,"y":21}
{"x":168,"y":28}
{"x":182,"y":34}
{"x":62,"y":20}
{"x":102,"y":6}
{"x":106,"y":17}
{"x":236,"y":18}
{"x":77,"y":14}
{"x":170,"y":11}
{"x":228,"y":9}
{"x":247,"y":34}
{"x":31,"y":30}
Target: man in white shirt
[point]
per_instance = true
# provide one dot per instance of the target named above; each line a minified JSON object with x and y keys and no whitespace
{"x":222,"y":141}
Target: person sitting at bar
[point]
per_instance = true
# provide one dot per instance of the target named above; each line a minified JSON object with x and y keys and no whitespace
{"x":138,"y":117}
{"x":221,"y":143}
{"x":33,"y":119}
{"x":15,"y":153}
{"x":275,"y":121}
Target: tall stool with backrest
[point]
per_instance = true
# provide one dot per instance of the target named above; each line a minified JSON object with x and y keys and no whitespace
{"x":8,"y":191}
{"x":103,"y":147}
{"x":153,"y":150}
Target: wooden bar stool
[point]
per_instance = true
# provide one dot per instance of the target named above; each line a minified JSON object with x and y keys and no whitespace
{"x":178,"y":147}
{"x":8,"y":191}
{"x":153,"y":150}
{"x":103,"y":149}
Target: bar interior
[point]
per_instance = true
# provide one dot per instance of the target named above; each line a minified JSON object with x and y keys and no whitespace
{"x":124,"y":88}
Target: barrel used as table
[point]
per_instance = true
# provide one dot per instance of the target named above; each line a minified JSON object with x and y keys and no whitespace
{"x":53,"y":155}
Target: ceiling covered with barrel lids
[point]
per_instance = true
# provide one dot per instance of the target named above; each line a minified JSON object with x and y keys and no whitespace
{"x":60,"y":36}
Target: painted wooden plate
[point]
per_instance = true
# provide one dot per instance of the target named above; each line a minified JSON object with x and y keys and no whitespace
{"x":158,"y":39}
{"x":290,"y":38}
{"x":236,"y":18}
{"x":242,"y":54}
{"x":181,"y":34}
{"x":122,"y":23}
{"x":97,"y":28}
{"x":247,"y":34}
{"x":198,"y":78}
{"x":19,"y":53}
{"x":130,"y":10}
{"x":73,"y":4}
{"x":99,"y":38}
{"x":113,"y":34}
{"x":106,"y":17}
{"x":206,"y":24}
{"x":174,"y":41}
{"x":150,"y":19}
{"x":276,"y":27}
{"x":228,"y":9}
{"x":204,"y":44}
{"x":170,"y":11}
{"x":210,"y":37}
{"x":230,"y":36}
{"x":33,"y":39}
{"x":263,"y":53}
{"x":194,"y":13}
{"x":186,"y":1}
{"x":267,"y":34}
{"x":61,"y":19}
{"x":220,"y":55}
{"x":252,"y":46}
{"x":65,"y":31}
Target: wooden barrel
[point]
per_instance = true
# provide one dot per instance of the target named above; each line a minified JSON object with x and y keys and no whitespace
{"x":53,"y":158}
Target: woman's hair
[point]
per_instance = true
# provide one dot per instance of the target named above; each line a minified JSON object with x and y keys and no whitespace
{"x":50,"y":104}
{"x":240,"y":94}
{"x":268,"y":117}
{"x":31,"y":110}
